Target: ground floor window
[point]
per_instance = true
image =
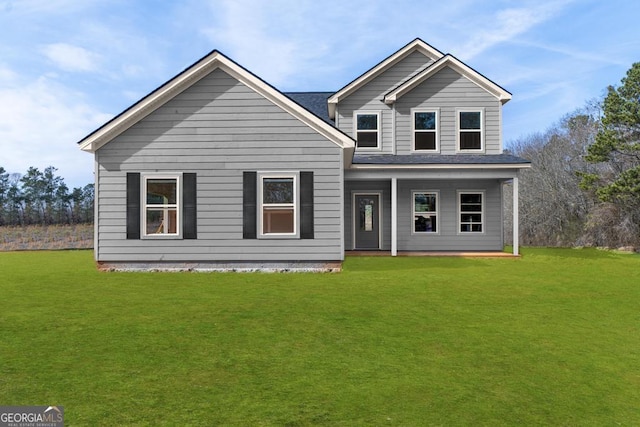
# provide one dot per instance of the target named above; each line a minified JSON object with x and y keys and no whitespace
{"x":471,"y":211}
{"x":161,"y":205}
{"x":425,"y":211}
{"x":278,"y":204}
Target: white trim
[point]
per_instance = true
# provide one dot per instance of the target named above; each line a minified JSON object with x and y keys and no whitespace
{"x":444,"y":166}
{"x":416,"y":45}
{"x":394,"y":216}
{"x":414,"y":130}
{"x":296,"y":204}
{"x":482,"y":129}
{"x":413,"y":213}
{"x":378,"y":131}
{"x":353,"y":216}
{"x":184,"y":80}
{"x":96,"y":210}
{"x":516,"y":218}
{"x":449,"y":61}
{"x":482,"y":212}
{"x":144,"y":177}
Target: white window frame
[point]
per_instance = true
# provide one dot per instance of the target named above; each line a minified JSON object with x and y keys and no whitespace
{"x":481,"y":130}
{"x":378,"y":132}
{"x":166,"y":207}
{"x":295,"y":205}
{"x":414,"y":213}
{"x":481,"y":212}
{"x":414,"y":130}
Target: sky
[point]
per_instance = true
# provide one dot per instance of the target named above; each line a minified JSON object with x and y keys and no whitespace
{"x":68,"y":66}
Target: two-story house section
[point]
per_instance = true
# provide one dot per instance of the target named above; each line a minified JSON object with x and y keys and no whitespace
{"x":428,"y":168}
{"x":217,"y":169}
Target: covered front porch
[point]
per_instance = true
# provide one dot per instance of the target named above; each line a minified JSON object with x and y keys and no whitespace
{"x":422,"y":212}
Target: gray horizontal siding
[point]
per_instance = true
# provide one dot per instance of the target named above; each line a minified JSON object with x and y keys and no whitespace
{"x":448,"y":91}
{"x":369,"y":97}
{"x":219,"y":128}
{"x":448,"y":238}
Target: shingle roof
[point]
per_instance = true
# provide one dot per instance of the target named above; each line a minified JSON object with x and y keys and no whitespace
{"x":437,"y":159}
{"x":316,"y":102}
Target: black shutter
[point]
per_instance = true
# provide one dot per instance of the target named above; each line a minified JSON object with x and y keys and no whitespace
{"x":133,"y":205}
{"x":249,"y":200}
{"x":189,"y":206}
{"x":306,"y":205}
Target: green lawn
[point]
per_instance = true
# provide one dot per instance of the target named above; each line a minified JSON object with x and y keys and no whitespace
{"x":552,"y":338}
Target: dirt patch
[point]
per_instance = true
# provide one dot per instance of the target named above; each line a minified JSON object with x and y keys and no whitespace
{"x":53,"y":237}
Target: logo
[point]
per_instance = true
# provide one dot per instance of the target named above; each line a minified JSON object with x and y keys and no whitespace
{"x":31,"y":416}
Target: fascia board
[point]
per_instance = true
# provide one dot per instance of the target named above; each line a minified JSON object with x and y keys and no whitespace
{"x":416,"y":45}
{"x":502,"y":95}
{"x":444,"y":166}
{"x":205,"y":66}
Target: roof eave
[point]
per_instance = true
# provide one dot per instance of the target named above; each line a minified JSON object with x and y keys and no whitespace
{"x":182,"y":81}
{"x":415,"y":45}
{"x":424,"y":166}
{"x":449,"y":60}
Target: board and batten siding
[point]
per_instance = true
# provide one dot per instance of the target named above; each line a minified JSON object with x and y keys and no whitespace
{"x":369,"y":97}
{"x":448,"y":91}
{"x":219,"y":128}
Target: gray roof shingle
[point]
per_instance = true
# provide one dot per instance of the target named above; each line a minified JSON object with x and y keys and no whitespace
{"x":316,"y":102}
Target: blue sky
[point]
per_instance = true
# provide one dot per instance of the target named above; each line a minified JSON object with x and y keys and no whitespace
{"x":67,"y":66}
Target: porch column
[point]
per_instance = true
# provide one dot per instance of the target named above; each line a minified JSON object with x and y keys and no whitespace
{"x":516,"y":235}
{"x":394,"y":216}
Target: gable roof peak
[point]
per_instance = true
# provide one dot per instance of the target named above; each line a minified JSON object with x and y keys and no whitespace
{"x":460,"y":67}
{"x":188,"y":77}
{"x":416,"y":45}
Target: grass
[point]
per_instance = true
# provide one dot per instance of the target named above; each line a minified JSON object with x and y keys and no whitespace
{"x":552,"y":338}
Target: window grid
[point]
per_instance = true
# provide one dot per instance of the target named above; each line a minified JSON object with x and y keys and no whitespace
{"x":471,"y":208}
{"x":425,"y":130}
{"x":367,"y":129}
{"x":470,"y":130}
{"x":278,"y":205}
{"x":425,"y":211}
{"x":161,"y":205}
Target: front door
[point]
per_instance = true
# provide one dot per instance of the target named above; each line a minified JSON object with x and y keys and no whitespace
{"x":366,"y":221}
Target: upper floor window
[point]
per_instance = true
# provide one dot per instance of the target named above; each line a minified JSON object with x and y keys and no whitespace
{"x":470,"y":130}
{"x":161,"y":205}
{"x":425,"y":130}
{"x":367,"y":129}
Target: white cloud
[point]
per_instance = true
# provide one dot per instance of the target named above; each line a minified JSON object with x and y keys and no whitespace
{"x":72,"y":58}
{"x":506,"y":25}
{"x":42,"y":121}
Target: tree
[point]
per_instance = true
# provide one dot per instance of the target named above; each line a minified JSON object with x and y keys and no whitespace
{"x":616,"y":149}
{"x":553,"y":209}
{"x":618,"y":144}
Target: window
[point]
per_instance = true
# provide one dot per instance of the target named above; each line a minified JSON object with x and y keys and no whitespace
{"x":470,"y":130}
{"x":161,"y":206}
{"x":367,"y":129}
{"x":471,"y":212}
{"x":425,"y":130}
{"x":425,"y":211}
{"x":278,"y":204}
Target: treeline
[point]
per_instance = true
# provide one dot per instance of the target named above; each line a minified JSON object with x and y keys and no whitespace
{"x":584,"y":185}
{"x":42,"y":198}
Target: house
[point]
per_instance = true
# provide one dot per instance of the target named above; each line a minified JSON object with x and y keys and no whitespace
{"x":217,"y":169}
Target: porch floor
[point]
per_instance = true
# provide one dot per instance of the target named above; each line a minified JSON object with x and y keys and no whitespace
{"x":467,"y":254}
